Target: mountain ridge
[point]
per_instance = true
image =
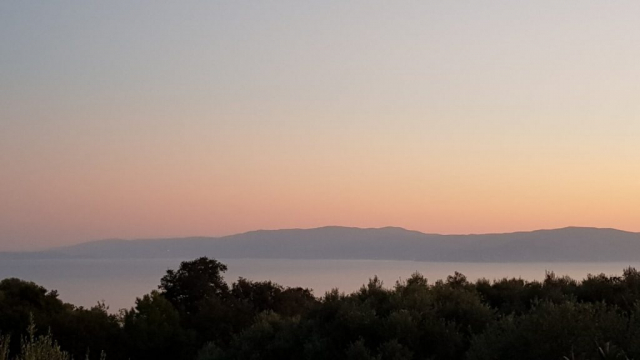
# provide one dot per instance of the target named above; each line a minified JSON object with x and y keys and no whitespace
{"x":567,"y":244}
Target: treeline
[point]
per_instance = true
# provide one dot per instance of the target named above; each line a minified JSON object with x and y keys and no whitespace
{"x":196,"y":315}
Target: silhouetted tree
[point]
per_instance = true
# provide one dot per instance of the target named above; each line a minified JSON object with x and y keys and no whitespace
{"x":197,"y":315}
{"x":152,"y":330}
{"x":194,"y":282}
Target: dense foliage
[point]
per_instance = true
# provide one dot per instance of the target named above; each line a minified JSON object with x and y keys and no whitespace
{"x":196,"y":315}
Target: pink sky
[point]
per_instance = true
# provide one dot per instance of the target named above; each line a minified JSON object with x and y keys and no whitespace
{"x":219,"y":118}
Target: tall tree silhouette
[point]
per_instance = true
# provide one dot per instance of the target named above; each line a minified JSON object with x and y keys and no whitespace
{"x":194,"y":282}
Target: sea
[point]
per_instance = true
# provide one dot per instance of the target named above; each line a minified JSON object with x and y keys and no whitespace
{"x":118,"y":283}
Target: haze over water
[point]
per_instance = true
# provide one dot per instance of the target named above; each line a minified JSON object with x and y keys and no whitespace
{"x":119,"y":282}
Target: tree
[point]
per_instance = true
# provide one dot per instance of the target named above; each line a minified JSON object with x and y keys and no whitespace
{"x":22,"y":301}
{"x":194,"y":282}
{"x":152,"y":329}
{"x":81,"y":329}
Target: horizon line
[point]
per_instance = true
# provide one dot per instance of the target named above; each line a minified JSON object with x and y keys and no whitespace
{"x":328,"y":227}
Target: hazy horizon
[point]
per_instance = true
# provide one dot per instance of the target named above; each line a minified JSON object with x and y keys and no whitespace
{"x":159,"y":120}
{"x":87,"y":282}
{"x":314,"y":228}
{"x":352,"y":227}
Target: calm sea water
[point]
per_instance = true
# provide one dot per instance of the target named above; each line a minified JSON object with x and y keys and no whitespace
{"x":119,"y":282}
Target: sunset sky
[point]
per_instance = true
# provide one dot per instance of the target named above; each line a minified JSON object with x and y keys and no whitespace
{"x":162,"y":119}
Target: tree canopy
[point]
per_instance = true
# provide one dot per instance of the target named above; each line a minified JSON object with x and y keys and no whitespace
{"x":196,"y":314}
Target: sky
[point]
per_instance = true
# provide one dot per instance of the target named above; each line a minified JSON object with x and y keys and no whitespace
{"x":147,"y":119}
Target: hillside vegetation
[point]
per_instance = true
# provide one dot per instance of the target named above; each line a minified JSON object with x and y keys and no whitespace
{"x":195,"y":314}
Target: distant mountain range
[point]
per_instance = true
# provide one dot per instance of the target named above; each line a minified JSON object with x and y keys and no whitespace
{"x":572,"y":244}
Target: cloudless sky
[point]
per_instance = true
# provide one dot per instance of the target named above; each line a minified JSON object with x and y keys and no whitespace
{"x":156,"y":119}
